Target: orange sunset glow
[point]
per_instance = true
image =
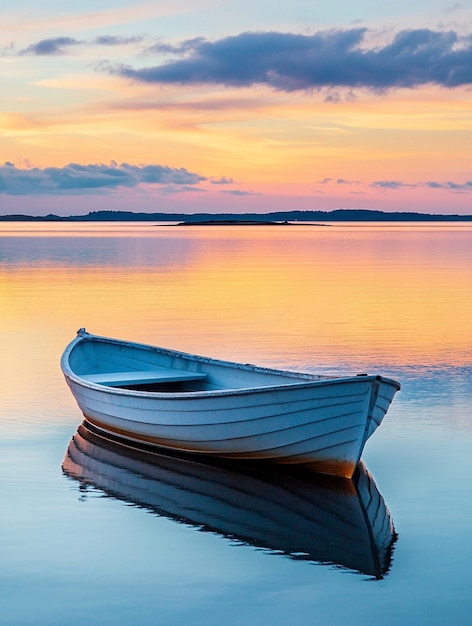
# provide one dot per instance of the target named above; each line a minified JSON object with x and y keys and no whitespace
{"x":295,"y":287}
{"x":162,"y":107}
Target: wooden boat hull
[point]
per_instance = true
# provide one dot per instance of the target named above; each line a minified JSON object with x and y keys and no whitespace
{"x":238,"y":411}
{"x":289,"y":511}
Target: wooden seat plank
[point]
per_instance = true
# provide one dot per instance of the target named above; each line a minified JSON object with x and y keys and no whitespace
{"x":143,"y":377}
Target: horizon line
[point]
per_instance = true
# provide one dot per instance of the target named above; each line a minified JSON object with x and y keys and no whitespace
{"x":296,"y":214}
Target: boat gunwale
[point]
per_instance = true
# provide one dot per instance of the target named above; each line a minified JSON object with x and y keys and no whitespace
{"x":307,"y":380}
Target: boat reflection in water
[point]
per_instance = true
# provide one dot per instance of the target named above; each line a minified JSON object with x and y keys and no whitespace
{"x":286,"y":511}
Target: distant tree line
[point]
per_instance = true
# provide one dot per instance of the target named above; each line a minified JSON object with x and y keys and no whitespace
{"x":337,"y":215}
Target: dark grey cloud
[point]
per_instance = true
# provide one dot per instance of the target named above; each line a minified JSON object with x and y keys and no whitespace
{"x":344,"y":181}
{"x":93,"y":178}
{"x":223,"y":180}
{"x":170,"y":190}
{"x":334,"y":58}
{"x":391,"y":184}
{"x":51,"y":47}
{"x":184,"y":47}
{"x":240,"y":192}
{"x":452,"y":186}
{"x":55,"y":46}
{"x":399,"y":185}
{"x":338,"y":181}
{"x":448,"y":185}
{"x":111,"y":40}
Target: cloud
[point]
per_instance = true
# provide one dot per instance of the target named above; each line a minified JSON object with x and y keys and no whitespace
{"x":93,"y":178}
{"x":398,"y":185}
{"x":338,"y":181}
{"x":55,"y":46}
{"x":7,"y":49}
{"x":111,"y":40}
{"x":343,"y":181}
{"x":457,"y":6}
{"x":391,"y":184}
{"x":51,"y":47}
{"x":170,"y":190}
{"x":328,"y":59}
{"x":450,"y":185}
{"x":223,"y":180}
{"x":240,"y":192}
{"x":184,"y":47}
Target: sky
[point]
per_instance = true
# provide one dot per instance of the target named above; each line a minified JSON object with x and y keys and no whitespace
{"x":235,"y":106}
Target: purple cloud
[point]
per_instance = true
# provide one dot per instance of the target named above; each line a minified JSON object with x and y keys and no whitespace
{"x":53,"y":46}
{"x":223,"y":180}
{"x":240,"y":192}
{"x":391,"y":184}
{"x":334,"y":58}
{"x":93,"y":178}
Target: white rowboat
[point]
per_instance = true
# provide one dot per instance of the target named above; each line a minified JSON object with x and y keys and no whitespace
{"x":195,"y":404}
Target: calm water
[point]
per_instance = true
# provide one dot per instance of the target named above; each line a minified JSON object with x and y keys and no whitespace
{"x":117,"y":540}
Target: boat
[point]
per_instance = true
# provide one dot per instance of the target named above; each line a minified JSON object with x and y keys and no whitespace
{"x":205,"y":406}
{"x":282,"y":510}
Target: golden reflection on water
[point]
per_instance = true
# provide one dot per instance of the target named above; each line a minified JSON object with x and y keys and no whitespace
{"x":294,"y":296}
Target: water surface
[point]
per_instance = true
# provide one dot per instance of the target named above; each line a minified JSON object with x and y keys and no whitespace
{"x":389,"y":298}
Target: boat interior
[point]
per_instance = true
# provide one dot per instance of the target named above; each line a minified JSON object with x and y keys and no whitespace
{"x":146,"y":368}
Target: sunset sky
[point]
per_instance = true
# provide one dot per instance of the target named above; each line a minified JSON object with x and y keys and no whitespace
{"x":235,"y":105}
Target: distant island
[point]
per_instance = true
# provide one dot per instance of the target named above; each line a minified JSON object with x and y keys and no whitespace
{"x":275,"y":217}
{"x":235,"y":222}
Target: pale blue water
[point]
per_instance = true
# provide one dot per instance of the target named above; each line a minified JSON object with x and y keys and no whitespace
{"x":75,"y":554}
